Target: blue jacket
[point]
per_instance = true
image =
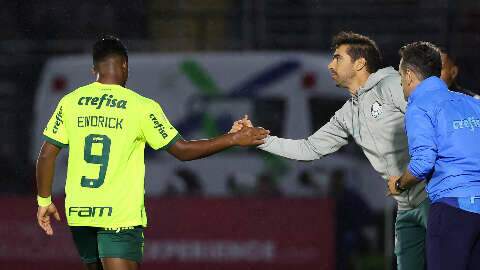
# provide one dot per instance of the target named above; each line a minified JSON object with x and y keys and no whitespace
{"x":443,"y":130}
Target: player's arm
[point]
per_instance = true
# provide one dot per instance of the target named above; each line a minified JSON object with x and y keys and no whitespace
{"x":326,"y":140}
{"x":44,"y":173}
{"x":422,"y":147}
{"x":160,"y":134}
{"x":421,"y":142}
{"x":46,"y":168}
{"x":56,"y":137}
{"x":189,"y":150}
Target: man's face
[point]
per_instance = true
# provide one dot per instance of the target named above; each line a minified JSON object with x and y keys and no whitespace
{"x":341,"y":67}
{"x":405,"y":80}
{"x":449,"y":70}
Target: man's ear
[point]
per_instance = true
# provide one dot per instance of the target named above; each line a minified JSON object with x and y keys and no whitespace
{"x":360,"y":63}
{"x":454,"y":72}
{"x":408,"y":76}
{"x":412,"y":77}
{"x":93,"y":70}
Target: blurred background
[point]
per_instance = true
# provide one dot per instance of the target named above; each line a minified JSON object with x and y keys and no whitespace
{"x":208,"y":63}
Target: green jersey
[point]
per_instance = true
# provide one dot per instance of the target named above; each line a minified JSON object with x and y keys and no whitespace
{"x":106,"y":127}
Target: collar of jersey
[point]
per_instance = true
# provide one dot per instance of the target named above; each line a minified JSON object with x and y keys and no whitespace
{"x":429,"y":84}
{"x":109,"y":85}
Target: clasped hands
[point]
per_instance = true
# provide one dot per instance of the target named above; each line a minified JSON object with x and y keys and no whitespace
{"x":246,"y":134}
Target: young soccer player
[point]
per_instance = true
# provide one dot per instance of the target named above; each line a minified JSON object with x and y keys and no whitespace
{"x":105,"y":126}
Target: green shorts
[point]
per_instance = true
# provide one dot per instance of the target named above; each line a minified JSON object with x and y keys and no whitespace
{"x":94,"y":243}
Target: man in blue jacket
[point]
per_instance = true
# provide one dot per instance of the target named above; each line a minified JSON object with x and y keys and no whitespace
{"x":443,"y":130}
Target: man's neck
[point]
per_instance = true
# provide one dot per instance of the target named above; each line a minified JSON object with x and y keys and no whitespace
{"x":357,"y":82}
{"x":108,"y":80}
{"x":415,"y":84}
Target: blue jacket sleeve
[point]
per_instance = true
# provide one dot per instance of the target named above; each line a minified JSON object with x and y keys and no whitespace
{"x":421,"y":141}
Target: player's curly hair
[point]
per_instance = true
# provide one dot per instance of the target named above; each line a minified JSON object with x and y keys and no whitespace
{"x":359,"y":46}
{"x":423,"y":58}
{"x":108,"y":45}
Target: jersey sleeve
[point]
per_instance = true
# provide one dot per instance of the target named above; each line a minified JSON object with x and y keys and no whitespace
{"x":421,"y":141}
{"x":56,"y":132}
{"x":156,"y":129}
{"x":328,"y":139}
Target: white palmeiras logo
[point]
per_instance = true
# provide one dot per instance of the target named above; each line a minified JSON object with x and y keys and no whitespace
{"x":376,"y":109}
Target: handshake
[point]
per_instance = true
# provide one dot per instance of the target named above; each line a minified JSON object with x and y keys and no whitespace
{"x":245,"y":134}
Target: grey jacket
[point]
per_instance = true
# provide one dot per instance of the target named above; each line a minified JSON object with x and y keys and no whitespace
{"x":374,"y":118}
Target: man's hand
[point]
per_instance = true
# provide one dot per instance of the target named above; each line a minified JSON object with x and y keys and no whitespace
{"x":43,"y":217}
{"x":249,"y":136}
{"x":239,"y":124}
{"x":391,"y":185}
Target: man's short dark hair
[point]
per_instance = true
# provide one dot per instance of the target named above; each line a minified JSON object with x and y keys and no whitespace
{"x":108,"y":46}
{"x":423,"y":58}
{"x":359,"y":46}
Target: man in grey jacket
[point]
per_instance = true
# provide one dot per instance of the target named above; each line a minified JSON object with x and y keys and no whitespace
{"x":374,"y":118}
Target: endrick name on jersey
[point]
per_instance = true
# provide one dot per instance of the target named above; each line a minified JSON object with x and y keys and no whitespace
{"x":99,"y":121}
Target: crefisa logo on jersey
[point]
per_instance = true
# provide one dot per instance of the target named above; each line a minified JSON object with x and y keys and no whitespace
{"x":108,"y":100}
{"x":470,"y":123}
{"x":376,"y":109}
{"x":58,"y":120}
{"x":158,"y":126}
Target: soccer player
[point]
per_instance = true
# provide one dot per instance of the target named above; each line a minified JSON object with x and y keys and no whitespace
{"x":373,"y":117}
{"x":443,"y":130}
{"x":105,"y":126}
